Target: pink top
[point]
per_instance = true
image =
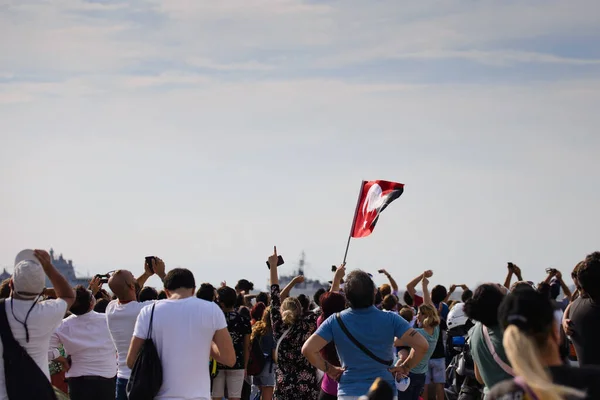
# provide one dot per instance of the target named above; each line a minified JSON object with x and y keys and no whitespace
{"x":328,"y":385}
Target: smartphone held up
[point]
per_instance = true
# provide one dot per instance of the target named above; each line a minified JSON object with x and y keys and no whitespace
{"x":279,"y":262}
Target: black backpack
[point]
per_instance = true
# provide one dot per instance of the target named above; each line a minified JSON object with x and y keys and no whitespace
{"x":146,"y":374}
{"x":24,"y":378}
{"x":256,"y":361}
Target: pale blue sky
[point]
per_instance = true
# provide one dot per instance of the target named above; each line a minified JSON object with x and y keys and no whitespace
{"x":205,"y":132}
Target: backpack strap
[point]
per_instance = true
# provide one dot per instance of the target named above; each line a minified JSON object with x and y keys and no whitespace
{"x":359,"y":344}
{"x":505,"y":367}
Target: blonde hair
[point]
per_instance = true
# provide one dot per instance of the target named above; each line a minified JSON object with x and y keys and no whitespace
{"x":432,"y":319}
{"x":523,"y":352}
{"x":262,"y":327}
{"x":291,"y":309}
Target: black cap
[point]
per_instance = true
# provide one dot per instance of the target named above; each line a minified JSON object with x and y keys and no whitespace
{"x":528,"y":310}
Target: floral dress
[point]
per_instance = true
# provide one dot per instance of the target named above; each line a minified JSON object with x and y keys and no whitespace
{"x":296,"y":378}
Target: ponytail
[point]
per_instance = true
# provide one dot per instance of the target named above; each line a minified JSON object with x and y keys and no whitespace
{"x":290,"y":311}
{"x":524,"y":356}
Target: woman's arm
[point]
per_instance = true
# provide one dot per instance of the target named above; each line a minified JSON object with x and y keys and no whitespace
{"x":276,"y":321}
{"x":426,"y":294}
{"x":286,"y":290}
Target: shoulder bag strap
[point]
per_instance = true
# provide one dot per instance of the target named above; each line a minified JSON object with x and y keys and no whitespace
{"x":283,"y":335}
{"x":505,"y":367}
{"x":151,"y":319}
{"x":359,"y":344}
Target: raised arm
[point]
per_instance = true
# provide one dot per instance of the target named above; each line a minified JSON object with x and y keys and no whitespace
{"x":286,"y":290}
{"x":393,"y":283}
{"x":563,"y":285}
{"x":337,"y":278}
{"x":276,"y":320}
{"x":426,"y":294}
{"x":450,"y":292}
{"x":62,"y":288}
{"x":410,"y":288}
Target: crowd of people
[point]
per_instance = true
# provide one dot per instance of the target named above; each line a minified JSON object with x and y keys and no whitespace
{"x":354,"y":340}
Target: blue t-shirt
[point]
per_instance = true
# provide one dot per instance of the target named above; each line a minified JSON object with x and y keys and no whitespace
{"x":421,"y":367}
{"x":376,"y":330}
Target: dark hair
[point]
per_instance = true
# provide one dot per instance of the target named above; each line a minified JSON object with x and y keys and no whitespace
{"x":530,"y":311}
{"x":244,"y":312}
{"x":83,"y":301}
{"x":179,"y":278}
{"x":317,"y":296}
{"x":408,"y":299}
{"x":378,"y":297}
{"x":148,"y":293}
{"x":206,"y":292}
{"x":263,"y":297}
{"x":389,"y":303}
{"x":589,"y":276}
{"x":438,"y":294}
{"x":245,"y":285}
{"x":554,"y":290}
{"x":467,"y":294}
{"x":162,"y":295}
{"x":331,"y":303}
{"x":257,"y":311}
{"x":226,"y":296}
{"x":544,"y":289}
{"x":483,"y":306}
{"x":239,"y":300}
{"x":304,"y":302}
{"x":5,"y":289}
{"x":359,"y":289}
{"x":408,"y":313}
{"x":101,"y":305}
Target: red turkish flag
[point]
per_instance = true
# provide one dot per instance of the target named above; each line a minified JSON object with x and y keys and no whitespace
{"x":375,"y":196}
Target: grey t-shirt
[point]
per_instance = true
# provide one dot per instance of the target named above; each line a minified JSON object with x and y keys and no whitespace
{"x":490,"y":371}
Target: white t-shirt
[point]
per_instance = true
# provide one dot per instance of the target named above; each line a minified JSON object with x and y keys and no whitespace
{"x":182,"y":331}
{"x":121,"y":321}
{"x":87,"y":340}
{"x":44,"y":318}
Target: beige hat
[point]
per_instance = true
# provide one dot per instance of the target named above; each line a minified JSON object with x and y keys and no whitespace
{"x":29,"y":279}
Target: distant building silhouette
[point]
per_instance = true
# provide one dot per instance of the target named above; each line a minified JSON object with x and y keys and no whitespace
{"x":4,"y":275}
{"x":65,"y":267}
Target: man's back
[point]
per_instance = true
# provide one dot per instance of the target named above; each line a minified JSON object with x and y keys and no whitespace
{"x":121,"y":322}
{"x":584,"y":313}
{"x":44,"y":318}
{"x":182,"y":331}
{"x":376,"y":330}
{"x":87,"y":340}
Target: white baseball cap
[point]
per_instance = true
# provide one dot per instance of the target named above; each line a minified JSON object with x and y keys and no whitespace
{"x":29,"y":279}
{"x":403,"y":383}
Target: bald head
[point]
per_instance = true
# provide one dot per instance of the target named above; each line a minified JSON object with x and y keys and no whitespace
{"x":122,"y":284}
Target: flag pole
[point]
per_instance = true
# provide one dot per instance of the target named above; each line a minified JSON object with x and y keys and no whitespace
{"x":362,"y":186}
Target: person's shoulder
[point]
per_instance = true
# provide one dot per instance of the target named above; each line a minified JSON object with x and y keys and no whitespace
{"x":52,"y":308}
{"x":506,"y":390}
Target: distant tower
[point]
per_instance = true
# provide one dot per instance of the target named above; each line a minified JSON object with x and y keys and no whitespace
{"x":51,"y":254}
{"x":301,"y":264}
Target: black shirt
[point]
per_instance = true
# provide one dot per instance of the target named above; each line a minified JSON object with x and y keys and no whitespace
{"x":586,"y":379}
{"x":238,"y":327}
{"x":585,"y":316}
